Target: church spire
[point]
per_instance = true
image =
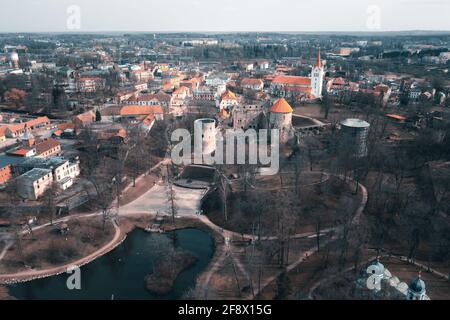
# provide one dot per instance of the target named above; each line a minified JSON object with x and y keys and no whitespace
{"x":319,"y":60}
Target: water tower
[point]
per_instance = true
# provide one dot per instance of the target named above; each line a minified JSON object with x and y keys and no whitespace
{"x":14,"y":60}
{"x":353,"y":138}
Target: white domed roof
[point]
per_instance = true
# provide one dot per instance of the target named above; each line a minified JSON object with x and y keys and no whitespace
{"x":355,"y":123}
{"x":14,"y":56}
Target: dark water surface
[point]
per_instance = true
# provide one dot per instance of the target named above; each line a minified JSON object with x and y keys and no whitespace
{"x":120,"y":273}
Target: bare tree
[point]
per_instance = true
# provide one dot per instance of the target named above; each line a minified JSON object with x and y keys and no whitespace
{"x":49,"y":200}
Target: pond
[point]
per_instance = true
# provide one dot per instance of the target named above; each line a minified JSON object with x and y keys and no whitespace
{"x":120,"y":274}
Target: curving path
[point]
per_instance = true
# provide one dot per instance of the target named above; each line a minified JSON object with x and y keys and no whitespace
{"x":227,"y":234}
{"x":154,"y":201}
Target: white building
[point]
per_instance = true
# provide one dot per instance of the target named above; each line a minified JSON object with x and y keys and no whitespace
{"x":33,"y":183}
{"x":63,"y":171}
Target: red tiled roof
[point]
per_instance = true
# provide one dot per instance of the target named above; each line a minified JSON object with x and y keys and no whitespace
{"x":64,"y":126}
{"x":86,"y":117}
{"x":251,"y":82}
{"x":133,"y":110}
{"x":292,"y":80}
{"x":228,"y":95}
{"x":20,"y":152}
{"x":161,"y":96}
{"x":29,"y":124}
{"x":281,"y":106}
{"x":181,"y":90}
{"x":46,"y":145}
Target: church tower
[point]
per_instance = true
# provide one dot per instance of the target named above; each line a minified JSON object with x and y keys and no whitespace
{"x":317,"y":74}
{"x":416,"y":290}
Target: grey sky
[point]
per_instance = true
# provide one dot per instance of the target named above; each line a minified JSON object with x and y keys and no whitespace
{"x":226,"y":15}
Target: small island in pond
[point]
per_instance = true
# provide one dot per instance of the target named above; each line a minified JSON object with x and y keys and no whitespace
{"x":161,"y":280}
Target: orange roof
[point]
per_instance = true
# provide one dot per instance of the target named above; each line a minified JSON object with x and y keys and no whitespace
{"x":64,"y":126}
{"x":2,"y":131}
{"x":396,"y":116}
{"x":133,"y":110}
{"x":38,"y":120}
{"x":224,"y":114}
{"x":281,"y":106}
{"x":29,"y":124}
{"x":292,"y":80}
{"x":86,"y":117}
{"x":167,"y":87}
{"x":182,"y":90}
{"x":20,"y":152}
{"x":161,"y":96}
{"x":228,"y":95}
{"x":251,"y":82}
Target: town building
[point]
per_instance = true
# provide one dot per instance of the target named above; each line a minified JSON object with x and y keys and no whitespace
{"x":34,"y":183}
{"x":47,"y":148}
{"x":151,"y":99}
{"x":63,"y":171}
{"x":228,"y":101}
{"x":90,"y":84}
{"x":308,"y":88}
{"x":252,"y":84}
{"x":84,"y":119}
{"x":18,"y":129}
{"x":180,"y":96}
{"x":138,"y":112}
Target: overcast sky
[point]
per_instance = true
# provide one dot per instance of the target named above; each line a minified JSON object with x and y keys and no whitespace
{"x":224,"y":15}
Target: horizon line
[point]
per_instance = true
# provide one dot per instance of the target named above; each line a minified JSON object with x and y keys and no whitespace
{"x":225,"y":32}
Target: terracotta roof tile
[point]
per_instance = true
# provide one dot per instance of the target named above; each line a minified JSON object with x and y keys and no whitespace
{"x":281,"y":106}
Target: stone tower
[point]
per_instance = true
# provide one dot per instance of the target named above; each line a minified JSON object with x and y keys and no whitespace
{"x":281,"y":118}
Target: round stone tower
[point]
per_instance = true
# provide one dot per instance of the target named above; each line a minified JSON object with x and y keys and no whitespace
{"x":205,"y":135}
{"x":281,"y":118}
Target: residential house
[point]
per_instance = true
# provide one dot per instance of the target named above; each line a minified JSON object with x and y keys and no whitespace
{"x":90,"y":84}
{"x":228,"y":101}
{"x":138,"y":112}
{"x":84,"y":119}
{"x":47,"y":148}
{"x":252,"y":84}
